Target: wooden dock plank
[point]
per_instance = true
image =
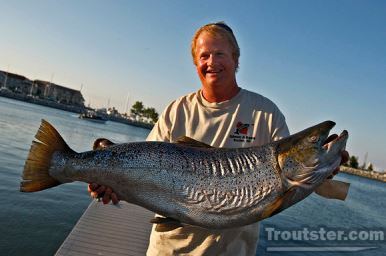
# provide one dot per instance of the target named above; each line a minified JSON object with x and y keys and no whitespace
{"x":109,"y":230}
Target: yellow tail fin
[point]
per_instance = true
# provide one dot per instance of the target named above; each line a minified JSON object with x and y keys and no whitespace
{"x":36,"y":169}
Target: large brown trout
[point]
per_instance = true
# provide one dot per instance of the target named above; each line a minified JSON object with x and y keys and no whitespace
{"x":191,"y":182}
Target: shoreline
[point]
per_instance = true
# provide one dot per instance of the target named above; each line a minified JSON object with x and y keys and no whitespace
{"x":70,"y":108}
{"x":363,"y":173}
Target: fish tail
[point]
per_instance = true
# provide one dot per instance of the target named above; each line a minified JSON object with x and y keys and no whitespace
{"x":36,"y":175}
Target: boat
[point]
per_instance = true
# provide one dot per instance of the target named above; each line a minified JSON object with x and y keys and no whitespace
{"x":93,"y":117}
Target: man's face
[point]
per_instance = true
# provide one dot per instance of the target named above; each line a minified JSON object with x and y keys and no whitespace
{"x":214,"y":61}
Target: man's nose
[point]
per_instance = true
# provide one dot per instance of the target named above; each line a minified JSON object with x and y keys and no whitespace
{"x":212,"y":60}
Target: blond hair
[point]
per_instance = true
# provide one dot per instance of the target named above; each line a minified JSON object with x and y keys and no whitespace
{"x":218,"y":29}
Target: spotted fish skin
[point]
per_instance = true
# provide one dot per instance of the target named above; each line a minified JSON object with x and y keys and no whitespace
{"x":204,"y":186}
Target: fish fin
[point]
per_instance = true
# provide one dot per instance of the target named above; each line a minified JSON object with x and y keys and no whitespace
{"x":333,"y":189}
{"x":192,"y":142}
{"x":165,"y":224}
{"x":167,"y":227}
{"x":102,"y":143}
{"x":36,"y":175}
{"x":163,"y":220}
{"x":276,"y":206}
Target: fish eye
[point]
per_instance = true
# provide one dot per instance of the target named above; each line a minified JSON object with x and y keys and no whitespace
{"x":314,"y":138}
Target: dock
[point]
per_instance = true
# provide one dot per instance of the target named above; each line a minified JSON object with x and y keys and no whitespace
{"x":109,"y":230}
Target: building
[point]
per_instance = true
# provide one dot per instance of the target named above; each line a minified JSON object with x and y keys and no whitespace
{"x":57,"y":93}
{"x":40,"y":89}
{"x":15,"y":83}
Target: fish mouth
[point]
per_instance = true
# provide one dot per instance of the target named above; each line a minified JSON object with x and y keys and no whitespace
{"x":341,"y":138}
{"x":329,"y":152}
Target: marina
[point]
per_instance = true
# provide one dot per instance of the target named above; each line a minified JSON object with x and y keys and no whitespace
{"x":49,"y":94}
{"x":92,"y":117}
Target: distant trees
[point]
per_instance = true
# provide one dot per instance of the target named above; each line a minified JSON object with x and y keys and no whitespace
{"x":137,"y":109}
{"x":354,"y":163}
{"x":151,"y":114}
{"x":140,"y":112}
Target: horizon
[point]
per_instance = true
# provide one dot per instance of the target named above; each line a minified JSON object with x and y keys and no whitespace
{"x":317,"y":60}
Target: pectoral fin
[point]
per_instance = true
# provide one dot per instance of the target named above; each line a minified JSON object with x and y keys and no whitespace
{"x":279,"y":204}
{"x":333,"y":189}
{"x":165,"y":224}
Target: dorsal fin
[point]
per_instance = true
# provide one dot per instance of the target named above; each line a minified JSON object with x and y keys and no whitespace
{"x":102,"y":143}
{"x":192,"y":142}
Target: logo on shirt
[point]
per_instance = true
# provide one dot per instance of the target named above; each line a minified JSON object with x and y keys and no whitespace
{"x":241,"y":133}
{"x":242,"y":128}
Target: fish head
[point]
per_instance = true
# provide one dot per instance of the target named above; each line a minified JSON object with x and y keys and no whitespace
{"x":305,"y":159}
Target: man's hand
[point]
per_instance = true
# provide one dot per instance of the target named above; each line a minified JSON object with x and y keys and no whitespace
{"x":100,"y":191}
{"x":345,"y":155}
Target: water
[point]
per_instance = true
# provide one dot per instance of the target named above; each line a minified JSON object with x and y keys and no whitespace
{"x":363,"y":211}
{"x":37,"y":223}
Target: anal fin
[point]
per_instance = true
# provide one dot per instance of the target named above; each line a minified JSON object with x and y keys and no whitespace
{"x":165,"y":224}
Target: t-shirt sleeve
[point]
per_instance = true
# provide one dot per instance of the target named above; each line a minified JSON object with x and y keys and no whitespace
{"x":280,"y":126}
{"x":162,"y":128}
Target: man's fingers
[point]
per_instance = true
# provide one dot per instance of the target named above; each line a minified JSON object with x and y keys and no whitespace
{"x":106,"y":199}
{"x":92,"y":187}
{"x":345,"y":157}
{"x":114,"y":198}
{"x":104,"y":192}
{"x":335,"y":172}
{"x":107,"y":196}
{"x":108,"y":190}
{"x":94,"y":194}
{"x":100,"y":190}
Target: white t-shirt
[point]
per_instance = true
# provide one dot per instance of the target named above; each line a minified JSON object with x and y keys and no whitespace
{"x":248,"y":119}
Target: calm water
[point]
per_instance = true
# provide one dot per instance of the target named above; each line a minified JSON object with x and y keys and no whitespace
{"x":37,"y":223}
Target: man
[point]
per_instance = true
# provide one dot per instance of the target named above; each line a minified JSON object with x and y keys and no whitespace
{"x":220,"y":114}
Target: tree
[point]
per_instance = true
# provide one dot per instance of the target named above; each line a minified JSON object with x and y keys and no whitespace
{"x":353,"y":162}
{"x":137,"y":109}
{"x":151,"y":113}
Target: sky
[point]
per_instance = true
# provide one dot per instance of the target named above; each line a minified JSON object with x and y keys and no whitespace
{"x":316,"y":59}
